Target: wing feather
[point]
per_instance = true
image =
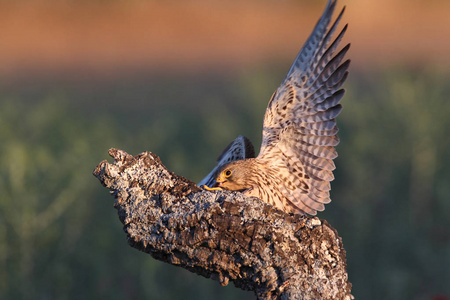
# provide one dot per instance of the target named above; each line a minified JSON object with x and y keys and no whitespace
{"x":325,"y":115}
{"x":318,"y":140}
{"x":328,"y":102}
{"x":331,"y":132}
{"x":328,"y":152}
{"x":312,"y":44}
{"x":299,"y":130}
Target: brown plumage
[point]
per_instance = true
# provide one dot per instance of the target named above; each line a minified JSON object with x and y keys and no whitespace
{"x":294,"y":167}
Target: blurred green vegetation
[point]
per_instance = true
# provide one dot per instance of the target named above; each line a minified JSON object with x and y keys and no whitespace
{"x":60,"y":237}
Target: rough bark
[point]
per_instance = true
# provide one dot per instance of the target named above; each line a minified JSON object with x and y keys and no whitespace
{"x":224,"y":235}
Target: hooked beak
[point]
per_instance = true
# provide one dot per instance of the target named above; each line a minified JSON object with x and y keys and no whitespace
{"x":217,"y":186}
{"x":219,"y":181}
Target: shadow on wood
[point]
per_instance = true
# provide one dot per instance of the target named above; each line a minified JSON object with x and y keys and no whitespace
{"x":224,"y":235}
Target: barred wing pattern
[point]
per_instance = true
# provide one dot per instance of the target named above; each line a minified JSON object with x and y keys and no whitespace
{"x":299,"y":130}
{"x":240,"y":148}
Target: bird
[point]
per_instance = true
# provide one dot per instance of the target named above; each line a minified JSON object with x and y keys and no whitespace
{"x":294,"y":167}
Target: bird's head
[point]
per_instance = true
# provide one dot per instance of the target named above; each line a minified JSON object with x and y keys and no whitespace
{"x":235,"y":176}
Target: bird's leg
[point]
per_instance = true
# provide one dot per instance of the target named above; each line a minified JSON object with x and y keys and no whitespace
{"x":212,"y":189}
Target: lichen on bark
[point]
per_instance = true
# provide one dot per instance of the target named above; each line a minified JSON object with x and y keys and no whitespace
{"x":224,"y":235}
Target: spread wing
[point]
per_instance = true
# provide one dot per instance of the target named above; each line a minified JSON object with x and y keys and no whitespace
{"x":299,"y":130}
{"x":238,"y":149}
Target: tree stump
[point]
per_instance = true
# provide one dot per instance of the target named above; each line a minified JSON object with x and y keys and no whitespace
{"x":224,"y":235}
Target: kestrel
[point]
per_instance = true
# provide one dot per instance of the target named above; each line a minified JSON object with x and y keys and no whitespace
{"x":294,"y":167}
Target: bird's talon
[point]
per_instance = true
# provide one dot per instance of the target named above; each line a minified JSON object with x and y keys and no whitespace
{"x":212,"y":189}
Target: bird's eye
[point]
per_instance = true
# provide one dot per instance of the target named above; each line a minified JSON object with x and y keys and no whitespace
{"x":227,"y":173}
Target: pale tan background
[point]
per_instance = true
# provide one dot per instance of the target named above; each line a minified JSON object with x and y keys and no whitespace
{"x":185,"y":36}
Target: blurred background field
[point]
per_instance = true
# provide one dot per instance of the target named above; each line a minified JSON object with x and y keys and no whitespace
{"x":182,"y":79}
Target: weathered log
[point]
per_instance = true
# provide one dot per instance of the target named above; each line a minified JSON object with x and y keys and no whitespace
{"x":224,"y":235}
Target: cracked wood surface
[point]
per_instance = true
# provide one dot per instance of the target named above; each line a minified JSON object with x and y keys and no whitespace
{"x":224,"y":235}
